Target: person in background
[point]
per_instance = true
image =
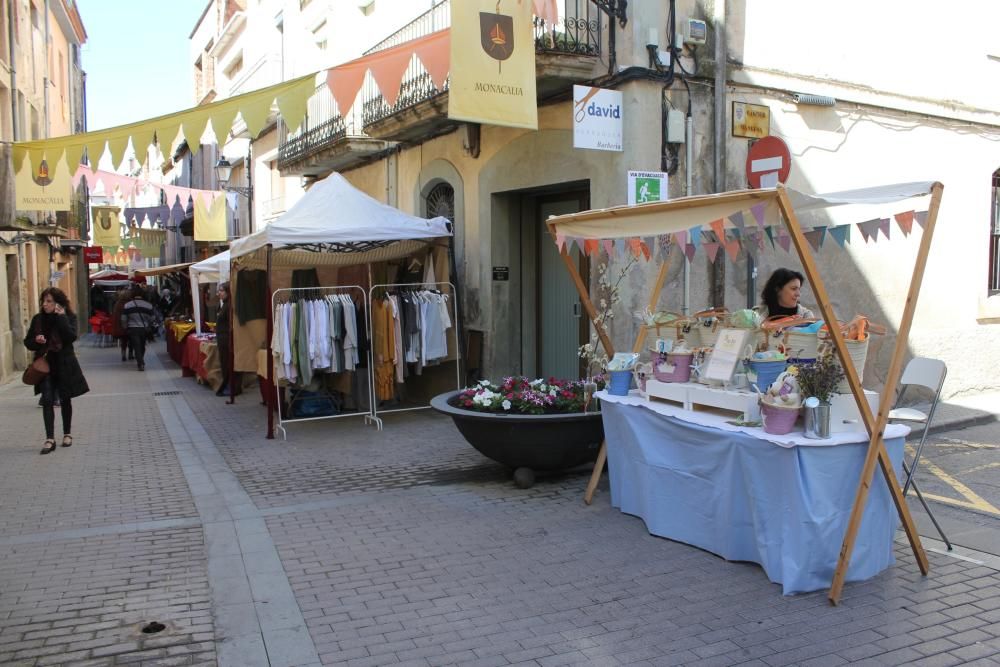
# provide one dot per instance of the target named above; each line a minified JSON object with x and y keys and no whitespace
{"x":51,"y":334}
{"x":117,"y":330}
{"x":223,"y":329}
{"x":781,"y":295}
{"x":138,"y":318}
{"x":166,"y":301}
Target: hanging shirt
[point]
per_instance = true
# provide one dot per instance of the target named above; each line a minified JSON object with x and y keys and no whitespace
{"x":397,"y":337}
{"x":350,"y":344}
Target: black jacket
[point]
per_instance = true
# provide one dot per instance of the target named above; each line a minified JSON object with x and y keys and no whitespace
{"x":65,"y":369}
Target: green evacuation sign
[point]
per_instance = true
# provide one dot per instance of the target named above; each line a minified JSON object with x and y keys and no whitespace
{"x":646,"y":186}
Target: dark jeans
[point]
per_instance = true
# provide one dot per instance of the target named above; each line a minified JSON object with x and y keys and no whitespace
{"x":50,"y":393}
{"x":226,"y":365}
{"x":137,"y":339}
{"x":126,"y":346}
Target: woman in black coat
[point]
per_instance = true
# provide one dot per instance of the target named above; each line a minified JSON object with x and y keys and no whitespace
{"x":51,"y":334}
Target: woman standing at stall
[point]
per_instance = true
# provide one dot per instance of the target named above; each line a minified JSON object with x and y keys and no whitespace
{"x":51,"y":335}
{"x":781,"y":295}
{"x":223,"y":330}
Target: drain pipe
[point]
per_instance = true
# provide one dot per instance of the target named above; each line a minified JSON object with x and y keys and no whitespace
{"x":719,"y":161}
{"x":11,"y":38}
{"x":688,"y":191}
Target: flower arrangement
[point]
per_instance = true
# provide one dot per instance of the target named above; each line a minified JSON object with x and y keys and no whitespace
{"x":820,"y":378}
{"x":609,"y":295}
{"x":520,"y":395}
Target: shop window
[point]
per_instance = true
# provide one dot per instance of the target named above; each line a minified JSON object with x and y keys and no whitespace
{"x":994,"y":285}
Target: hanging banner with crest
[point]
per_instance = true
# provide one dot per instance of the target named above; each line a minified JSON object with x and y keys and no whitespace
{"x":493,"y":63}
{"x":43,"y":187}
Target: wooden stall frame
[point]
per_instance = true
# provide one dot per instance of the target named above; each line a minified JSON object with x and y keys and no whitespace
{"x":875,"y":425}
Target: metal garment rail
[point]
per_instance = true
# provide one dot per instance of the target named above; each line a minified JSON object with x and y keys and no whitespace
{"x":454,"y":329}
{"x":285,"y":295}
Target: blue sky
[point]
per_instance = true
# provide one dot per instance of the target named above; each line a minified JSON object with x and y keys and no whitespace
{"x":136,"y":58}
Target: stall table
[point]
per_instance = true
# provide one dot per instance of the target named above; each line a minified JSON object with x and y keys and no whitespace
{"x":200,"y":358}
{"x":176,"y":332}
{"x":746,"y":495}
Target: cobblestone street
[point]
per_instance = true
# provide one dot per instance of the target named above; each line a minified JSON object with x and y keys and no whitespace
{"x":348,"y":545}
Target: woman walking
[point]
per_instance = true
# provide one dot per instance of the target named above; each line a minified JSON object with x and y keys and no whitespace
{"x":51,"y":335}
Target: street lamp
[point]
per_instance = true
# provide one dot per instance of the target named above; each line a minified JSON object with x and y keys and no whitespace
{"x":223,"y":172}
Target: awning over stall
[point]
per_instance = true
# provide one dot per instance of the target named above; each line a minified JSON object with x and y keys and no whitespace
{"x":163,"y":270}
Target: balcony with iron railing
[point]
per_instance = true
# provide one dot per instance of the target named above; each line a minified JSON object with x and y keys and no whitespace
{"x":565,"y":53}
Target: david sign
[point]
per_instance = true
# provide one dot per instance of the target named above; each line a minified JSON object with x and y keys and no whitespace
{"x":597,"y":118}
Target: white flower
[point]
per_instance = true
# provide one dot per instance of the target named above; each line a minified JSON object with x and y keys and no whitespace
{"x":536,"y":382}
{"x":484,"y":383}
{"x":552,"y":392}
{"x":506,"y":404}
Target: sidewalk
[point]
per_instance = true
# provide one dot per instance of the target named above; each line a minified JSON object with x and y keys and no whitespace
{"x":347,"y":545}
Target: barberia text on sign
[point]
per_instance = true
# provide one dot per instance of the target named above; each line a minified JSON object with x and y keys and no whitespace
{"x":499,"y":89}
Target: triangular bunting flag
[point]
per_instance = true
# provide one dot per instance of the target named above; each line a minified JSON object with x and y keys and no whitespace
{"x":344,"y":83}
{"x":816,"y":237}
{"x":95,"y":151}
{"x":784,"y":240}
{"x":718,"y":226}
{"x":194,"y":128}
{"x":690,"y":250}
{"x":293,"y":104}
{"x":117,"y":146}
{"x":905,"y":222}
{"x":868,"y":229}
{"x":547,"y":10}
{"x":254,"y":112}
{"x":711,"y":250}
{"x":560,"y":241}
{"x":591,"y":247}
{"x":166,"y":136}
{"x":841,"y":234}
{"x":883,"y":226}
{"x":142,"y":137}
{"x":758,"y":213}
{"x":737,"y":220}
{"x":434,"y":52}
{"x":387,"y":68}
{"x":921,"y":218}
{"x":222,"y":121}
{"x":646,"y":252}
{"x":694,"y":236}
{"x":74,"y":154}
{"x":733,"y":249}
{"x":681,"y":238}
{"x":19,"y":153}
{"x":609,"y":246}
{"x":769,"y":232}
{"x":634,"y":245}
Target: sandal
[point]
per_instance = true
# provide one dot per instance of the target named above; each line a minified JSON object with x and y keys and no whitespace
{"x":48,"y":447}
{"x":67,"y":441}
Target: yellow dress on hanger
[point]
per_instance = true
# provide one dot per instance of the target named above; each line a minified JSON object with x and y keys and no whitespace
{"x":384,"y":339}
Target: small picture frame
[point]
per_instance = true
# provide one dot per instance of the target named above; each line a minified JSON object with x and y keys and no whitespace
{"x":725,"y":355}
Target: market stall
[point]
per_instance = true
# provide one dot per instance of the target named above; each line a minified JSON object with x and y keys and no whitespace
{"x":730,"y":217}
{"x":337,"y":239}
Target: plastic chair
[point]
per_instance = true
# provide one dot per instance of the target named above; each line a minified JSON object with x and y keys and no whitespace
{"x":929,"y":374}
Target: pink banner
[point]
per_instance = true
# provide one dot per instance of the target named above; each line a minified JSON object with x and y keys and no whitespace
{"x":711,"y":249}
{"x":905,"y":222}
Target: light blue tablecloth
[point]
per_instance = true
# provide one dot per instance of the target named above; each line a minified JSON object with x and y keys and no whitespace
{"x":747,"y":499}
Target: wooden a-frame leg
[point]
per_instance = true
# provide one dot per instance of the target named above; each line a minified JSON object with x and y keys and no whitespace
{"x":602,"y":456}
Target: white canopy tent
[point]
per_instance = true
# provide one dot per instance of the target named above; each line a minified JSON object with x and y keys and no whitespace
{"x":215,"y":269}
{"x":336,"y":218}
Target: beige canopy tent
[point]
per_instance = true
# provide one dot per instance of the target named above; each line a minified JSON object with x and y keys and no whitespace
{"x":163,"y":270}
{"x":773,"y":206}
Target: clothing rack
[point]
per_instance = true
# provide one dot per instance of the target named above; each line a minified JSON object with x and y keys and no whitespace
{"x":415,"y":287}
{"x":296,"y":294}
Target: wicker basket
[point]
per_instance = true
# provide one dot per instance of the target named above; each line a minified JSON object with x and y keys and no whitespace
{"x":682,"y":329}
{"x":776,"y":333}
{"x":710,"y":321}
{"x":858,"y":349}
{"x":778,"y":419}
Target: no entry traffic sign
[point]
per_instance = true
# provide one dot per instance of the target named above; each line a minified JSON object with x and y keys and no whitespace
{"x":768,"y":163}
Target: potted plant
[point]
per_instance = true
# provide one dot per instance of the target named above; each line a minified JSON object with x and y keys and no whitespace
{"x":818,"y":380}
{"x":528,"y":425}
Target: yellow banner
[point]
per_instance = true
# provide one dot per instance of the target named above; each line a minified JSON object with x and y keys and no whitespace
{"x":45,"y":187}
{"x":210,"y":222}
{"x":493,"y":63}
{"x":105,"y":228}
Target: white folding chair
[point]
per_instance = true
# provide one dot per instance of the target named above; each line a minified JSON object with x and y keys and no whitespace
{"x":929,"y":374}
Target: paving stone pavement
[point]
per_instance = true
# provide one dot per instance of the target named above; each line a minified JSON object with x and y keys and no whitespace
{"x":348,"y":545}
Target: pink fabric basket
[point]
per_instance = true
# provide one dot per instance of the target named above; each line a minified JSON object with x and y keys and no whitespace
{"x":681,"y":371}
{"x":778,"y":420}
